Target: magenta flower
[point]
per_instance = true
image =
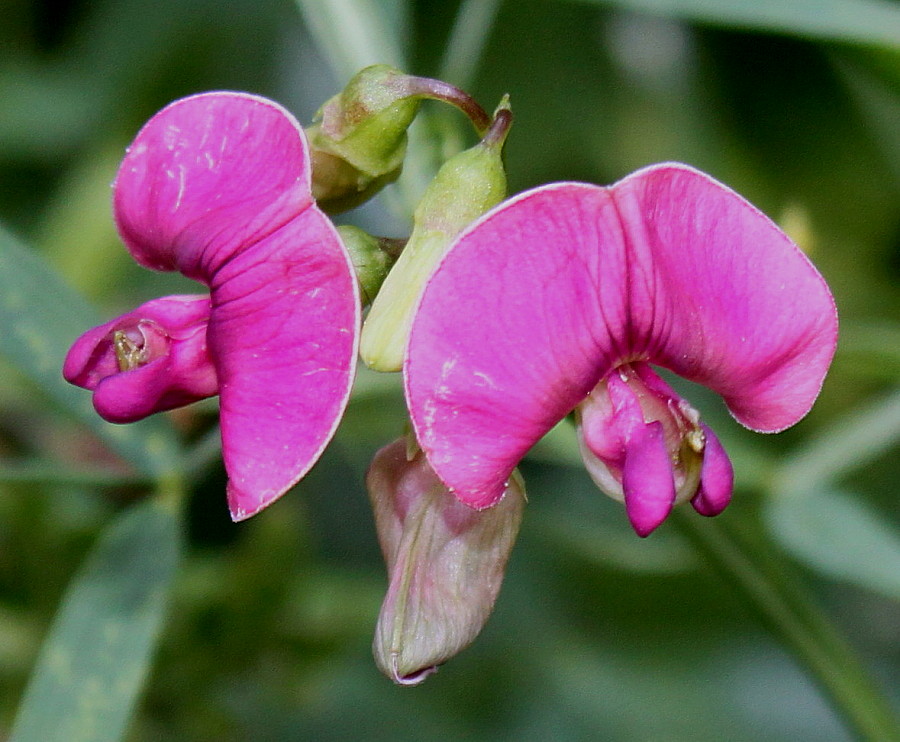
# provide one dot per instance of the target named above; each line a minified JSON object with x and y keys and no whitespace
{"x":561,"y":298}
{"x":217,"y":186}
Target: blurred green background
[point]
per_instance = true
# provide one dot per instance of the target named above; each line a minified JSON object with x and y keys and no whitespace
{"x":596,"y":634}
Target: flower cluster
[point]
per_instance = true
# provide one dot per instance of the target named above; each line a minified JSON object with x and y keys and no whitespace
{"x":504,"y":316}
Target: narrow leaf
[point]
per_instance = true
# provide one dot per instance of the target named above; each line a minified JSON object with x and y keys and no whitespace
{"x":852,"y":441}
{"x":40,"y":316}
{"x":839,"y":536}
{"x":95,"y":659}
{"x":468,"y":37}
{"x":857,"y":21}
{"x":353,"y":34}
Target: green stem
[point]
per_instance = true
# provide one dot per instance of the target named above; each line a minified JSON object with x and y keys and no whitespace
{"x":785,"y":607}
{"x":51,"y":473}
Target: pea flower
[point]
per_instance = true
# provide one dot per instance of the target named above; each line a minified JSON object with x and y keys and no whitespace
{"x":560,"y":299}
{"x":217,"y":187}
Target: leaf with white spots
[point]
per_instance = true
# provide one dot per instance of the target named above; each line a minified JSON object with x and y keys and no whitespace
{"x":95,"y":658}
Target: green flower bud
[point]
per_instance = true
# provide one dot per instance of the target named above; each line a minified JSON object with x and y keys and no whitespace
{"x":445,"y":563}
{"x":372,"y":258}
{"x":465,"y":187}
{"x":358,"y":144}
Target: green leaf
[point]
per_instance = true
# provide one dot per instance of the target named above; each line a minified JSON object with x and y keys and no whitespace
{"x":858,"y":21}
{"x":838,"y":535}
{"x":40,"y":317}
{"x":95,"y":659}
{"x":468,"y":37}
{"x":353,"y":34}
{"x":850,"y":442}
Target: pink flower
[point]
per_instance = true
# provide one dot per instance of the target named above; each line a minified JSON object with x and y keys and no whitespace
{"x":561,"y":298}
{"x":217,"y":187}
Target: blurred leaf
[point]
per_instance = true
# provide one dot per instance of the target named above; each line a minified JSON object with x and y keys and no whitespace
{"x":40,"y":316}
{"x":77,"y":232}
{"x":850,"y":442}
{"x":838,"y":535}
{"x":95,"y":659}
{"x":871,"y":350}
{"x":862,"y":21}
{"x":872,"y":76}
{"x":604,"y":545}
{"x":353,"y":34}
{"x":468,"y":37}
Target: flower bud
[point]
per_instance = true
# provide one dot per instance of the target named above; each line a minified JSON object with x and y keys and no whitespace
{"x":445,"y":563}
{"x":372,"y":258}
{"x":151,"y":359}
{"x":359,"y":142}
{"x":465,"y":187}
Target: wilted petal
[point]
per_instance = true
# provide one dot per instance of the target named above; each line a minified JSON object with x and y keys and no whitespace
{"x":445,"y":563}
{"x":151,"y":359}
{"x":207,"y":177}
{"x":283,"y":335}
{"x":542,"y":297}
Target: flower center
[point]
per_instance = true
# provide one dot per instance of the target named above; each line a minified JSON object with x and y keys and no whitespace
{"x":631,"y":400}
{"x":130,"y":351}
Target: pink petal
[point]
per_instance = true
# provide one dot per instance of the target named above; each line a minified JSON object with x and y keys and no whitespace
{"x":283,"y":335}
{"x":208,"y":176}
{"x":540,"y":298}
{"x":647,"y":478}
{"x":726,"y":299}
{"x":716,"y":477}
{"x":501,"y":347}
{"x":175,"y":368}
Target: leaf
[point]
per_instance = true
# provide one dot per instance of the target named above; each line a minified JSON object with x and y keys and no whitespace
{"x":858,"y":21}
{"x":353,"y":34}
{"x":848,"y":443}
{"x":838,"y":535}
{"x":40,"y":317}
{"x":468,"y":37}
{"x":94,"y":661}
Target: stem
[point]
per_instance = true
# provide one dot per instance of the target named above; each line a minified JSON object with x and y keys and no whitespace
{"x":785,"y":607}
{"x":495,"y":136}
{"x":443,"y":91}
{"x":50,"y":473}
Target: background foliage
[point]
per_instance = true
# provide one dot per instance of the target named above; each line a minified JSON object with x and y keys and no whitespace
{"x":263,"y":628}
